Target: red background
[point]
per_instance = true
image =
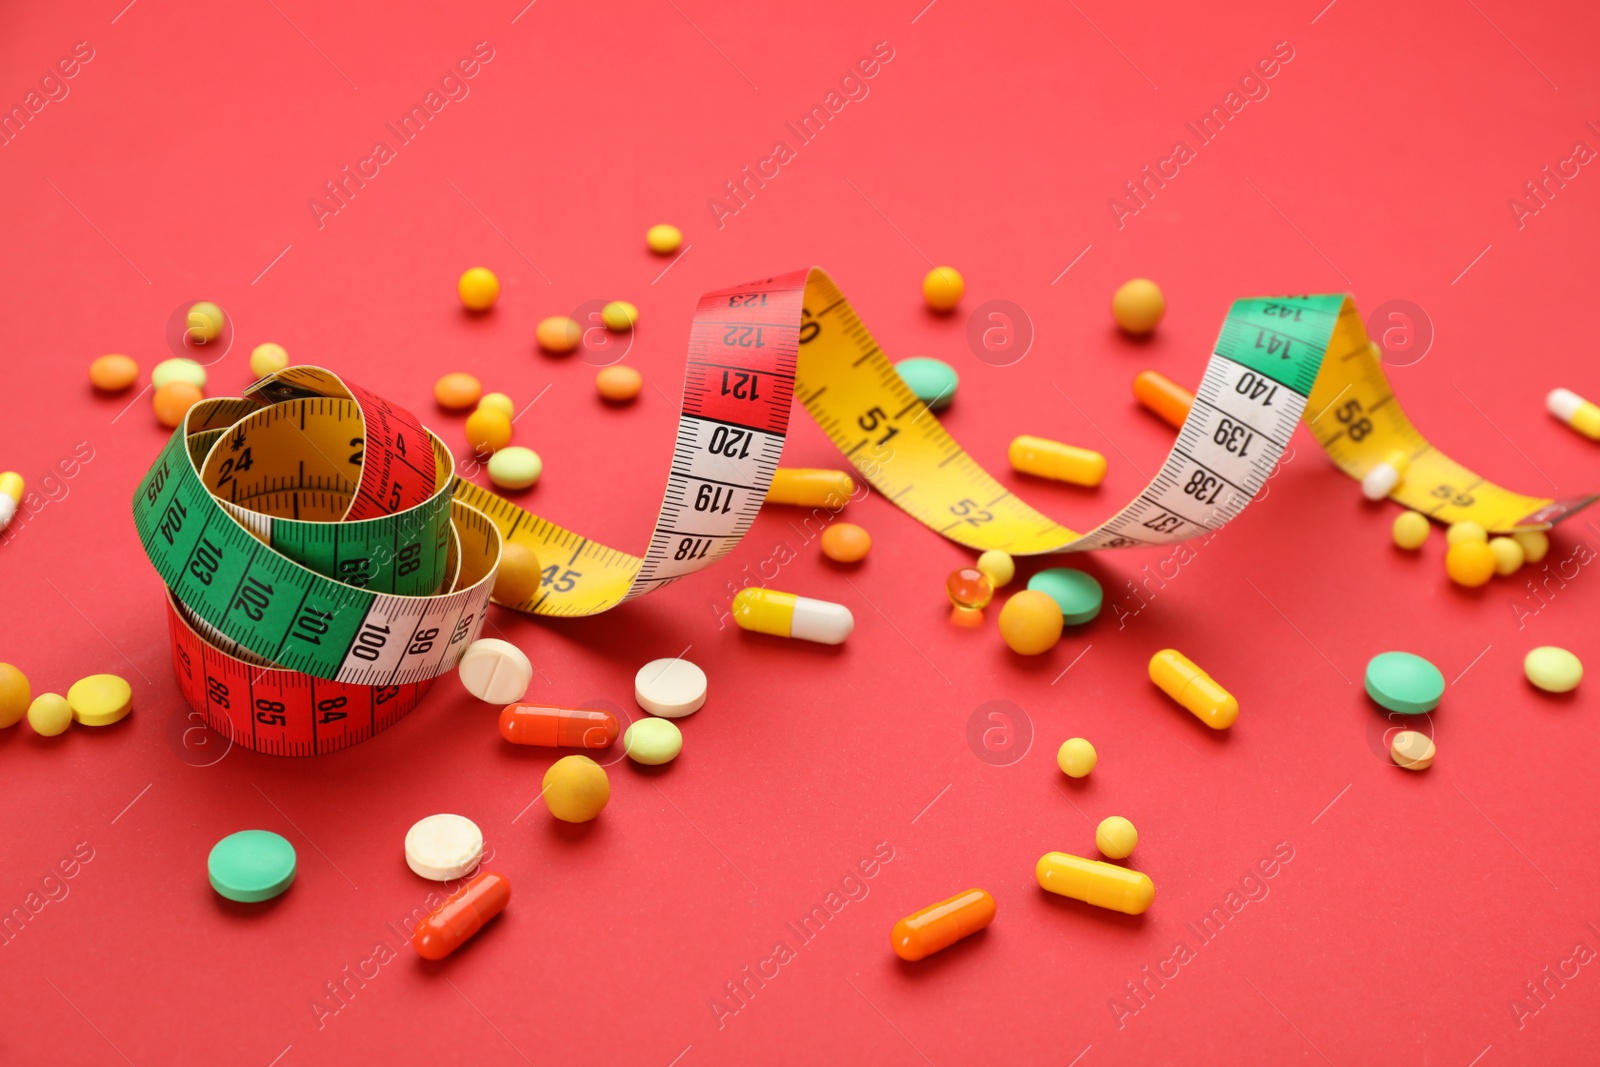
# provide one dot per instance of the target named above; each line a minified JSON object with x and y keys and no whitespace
{"x":1414,"y":908}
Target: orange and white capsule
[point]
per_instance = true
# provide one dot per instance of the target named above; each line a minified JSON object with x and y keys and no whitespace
{"x":808,"y":488}
{"x":1163,"y":396}
{"x":1192,"y":687}
{"x":547,"y":727}
{"x":767,"y":611}
{"x":1105,"y":885}
{"x":938,"y":926}
{"x":1044,"y":458}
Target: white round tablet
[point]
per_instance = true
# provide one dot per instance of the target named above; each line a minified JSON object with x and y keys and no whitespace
{"x":444,"y":847}
{"x":495,"y":671}
{"x":671,"y":688}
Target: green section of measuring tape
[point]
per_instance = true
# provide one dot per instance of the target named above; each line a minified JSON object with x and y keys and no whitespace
{"x":1285,"y":338}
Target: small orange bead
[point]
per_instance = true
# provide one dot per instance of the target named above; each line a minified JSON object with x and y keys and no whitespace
{"x":457,"y":391}
{"x":968,"y":587}
{"x":619,"y":383}
{"x":1163,"y":396}
{"x":488,"y":431}
{"x":113,"y":374}
{"x":558,"y":334}
{"x":173,"y":401}
{"x":845,"y":542}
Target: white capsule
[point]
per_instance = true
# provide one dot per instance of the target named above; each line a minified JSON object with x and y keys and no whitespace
{"x":1563,"y":403}
{"x":8,"y":508}
{"x":1380,"y":481}
{"x":821,"y":621}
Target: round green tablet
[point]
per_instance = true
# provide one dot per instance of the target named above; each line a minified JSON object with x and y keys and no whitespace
{"x":251,"y":865}
{"x":933,"y":381}
{"x":1404,"y":683}
{"x":1555,"y":670}
{"x":1078,"y":594}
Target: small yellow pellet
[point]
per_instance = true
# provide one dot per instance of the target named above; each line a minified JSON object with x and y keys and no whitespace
{"x":998,"y":567}
{"x":663,"y":238}
{"x":558,"y":333}
{"x":1076,"y":757}
{"x":1508,"y":555}
{"x":478,"y":288}
{"x":1052,"y":459}
{"x":1412,"y":750}
{"x":1138,"y":305}
{"x":488,"y":431}
{"x":943,"y":288}
{"x":498,"y":402}
{"x":204,"y":321}
{"x":1411,"y":529}
{"x":1535,"y":543}
{"x":268,"y":358}
{"x":1116,"y":838}
{"x":619,"y":315}
{"x":1469,"y":563}
{"x":49,"y":714}
{"x":1466,"y":530}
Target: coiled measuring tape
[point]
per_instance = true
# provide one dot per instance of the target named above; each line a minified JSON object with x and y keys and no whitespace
{"x":324,"y":564}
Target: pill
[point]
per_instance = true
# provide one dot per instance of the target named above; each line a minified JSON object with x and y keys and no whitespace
{"x":969,"y":588}
{"x":1508,"y":555}
{"x":515,"y":467}
{"x":442,"y":848}
{"x":938,"y":926}
{"x":653,"y":742}
{"x":942,"y":288}
{"x":931,"y":381}
{"x":767,"y":611}
{"x":1466,"y":530}
{"x":966,"y":618}
{"x":1105,"y":885}
{"x":1412,"y":750}
{"x":1381,"y":480}
{"x":15,"y":695}
{"x":1116,"y":838}
{"x":178,"y":370}
{"x":478,"y":288}
{"x":619,"y":315}
{"x":808,"y":488}
{"x":1163,"y":396}
{"x":1138,"y":305}
{"x":8,"y":510}
{"x":1051,"y":459}
{"x":1179,"y":678}
{"x":11,"y":488}
{"x":173,"y":401}
{"x":1404,"y":683}
{"x":671,"y":688}
{"x":998,"y":567}
{"x":1575,"y":411}
{"x":458,"y":392}
{"x":498,"y":402}
{"x":113,"y":373}
{"x":1535,"y":543}
{"x":49,"y":714}
{"x":845,"y":542}
{"x":1555,"y":670}
{"x":495,"y":671}
{"x":205,"y":321}
{"x":100,"y":700}
{"x":619,"y":383}
{"x":454,"y":923}
{"x":251,"y":865}
{"x":576,"y":788}
{"x":1469,"y":563}
{"x":1411,"y":529}
{"x":1030,"y":622}
{"x":558,"y":333}
{"x":548,"y":727}
{"x":517,"y":579}
{"x":268,"y":358}
{"x":1077,"y":594}
{"x":663,"y":238}
{"x":487,"y":431}
{"x":1076,"y":757}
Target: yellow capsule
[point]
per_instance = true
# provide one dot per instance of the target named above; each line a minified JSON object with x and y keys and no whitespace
{"x":1105,"y":885}
{"x":1192,"y":687}
{"x":12,"y":485}
{"x":1052,"y":459}
{"x":767,"y":611}
{"x":1572,"y":409}
{"x":810,"y":488}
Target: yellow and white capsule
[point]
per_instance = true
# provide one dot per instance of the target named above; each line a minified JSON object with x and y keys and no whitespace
{"x":809,"y":488}
{"x":1575,"y":411}
{"x":1382,"y":479}
{"x":11,"y":487}
{"x":1044,"y":458}
{"x":767,"y":611}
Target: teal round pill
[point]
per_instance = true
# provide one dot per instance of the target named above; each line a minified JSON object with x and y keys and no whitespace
{"x":933,"y":381}
{"x":1403,"y":683}
{"x":251,"y":865}
{"x":1077,"y":594}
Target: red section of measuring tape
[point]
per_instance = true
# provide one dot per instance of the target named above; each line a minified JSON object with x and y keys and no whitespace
{"x":742,"y":350}
{"x":397,"y":469}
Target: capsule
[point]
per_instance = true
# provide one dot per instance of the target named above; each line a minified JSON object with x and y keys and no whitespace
{"x":453,"y":923}
{"x":808,"y":488}
{"x":1192,"y":687}
{"x":1044,"y":458}
{"x":547,"y":727}
{"x":1575,"y":411}
{"x":767,"y":611}
{"x":938,"y":926}
{"x":1381,"y":480}
{"x":1163,"y":396}
{"x":1105,"y":885}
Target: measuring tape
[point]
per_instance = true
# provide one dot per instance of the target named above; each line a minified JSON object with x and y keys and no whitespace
{"x":324,"y":563}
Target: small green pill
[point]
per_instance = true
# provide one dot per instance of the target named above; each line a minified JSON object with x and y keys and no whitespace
{"x":653,"y":741}
{"x":933,"y":381}
{"x":1555,"y":670}
{"x":515,"y":467}
{"x":251,"y":865}
{"x":1077,"y":594}
{"x":1403,"y":683}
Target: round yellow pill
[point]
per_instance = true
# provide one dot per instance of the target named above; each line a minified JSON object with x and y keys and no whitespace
{"x":1508,"y":555}
{"x":1412,"y":750}
{"x":49,"y":714}
{"x":619,"y":382}
{"x":558,"y":333}
{"x":998,"y":567}
{"x":1535,"y":543}
{"x":1411,"y":529}
{"x":15,"y":695}
{"x":663,"y":238}
{"x":478,"y":288}
{"x":1469,"y":563}
{"x":576,"y":788}
{"x":457,"y":392}
{"x":1076,"y":757}
{"x":268,"y":358}
{"x":1466,"y":530}
{"x":488,"y":431}
{"x":112,"y":374}
{"x":515,"y":467}
{"x":1555,"y":670}
{"x":1116,"y":838}
{"x":1138,"y":305}
{"x":517,"y":579}
{"x":100,"y":699}
{"x":205,"y":321}
{"x":1030,"y":622}
{"x":943,"y":288}
{"x":498,"y":402}
{"x":619,"y":315}
{"x":845,"y":542}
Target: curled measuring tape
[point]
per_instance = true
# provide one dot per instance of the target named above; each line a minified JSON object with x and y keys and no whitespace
{"x":324,"y":564}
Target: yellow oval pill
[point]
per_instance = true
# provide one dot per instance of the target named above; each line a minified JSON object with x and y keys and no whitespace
{"x":1466,"y":530}
{"x":558,"y":333}
{"x":488,"y":431}
{"x":100,"y":699}
{"x":268,"y":358}
{"x":619,"y":315}
{"x":663,"y":238}
{"x":1412,"y":750}
{"x":113,"y":373}
{"x":498,"y":402}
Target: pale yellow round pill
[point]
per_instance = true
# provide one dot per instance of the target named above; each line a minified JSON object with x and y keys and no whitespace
{"x":178,"y":370}
{"x":1076,"y":757}
{"x":653,"y":741}
{"x":268,"y":358}
{"x":1412,"y":750}
{"x":998,"y":567}
{"x":1555,"y":670}
{"x":49,"y":714}
{"x":515,"y":467}
{"x":1411,"y":529}
{"x":619,"y":315}
{"x":558,"y":333}
{"x":1116,"y":838}
{"x":1535,"y":543}
{"x":498,"y":402}
{"x":100,"y":699}
{"x":1508,"y":555}
{"x":663,"y":238}
{"x":205,"y":321}
{"x":1467,"y":530}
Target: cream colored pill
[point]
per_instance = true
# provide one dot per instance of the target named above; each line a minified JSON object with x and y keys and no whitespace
{"x":671,"y":688}
{"x":1380,"y":481}
{"x":1466,"y":530}
{"x":653,"y":741}
{"x":495,"y":671}
{"x":49,"y":714}
{"x":1412,"y":750}
{"x":515,"y":467}
{"x":178,"y":370}
{"x":1508,"y":555}
{"x":1535,"y":543}
{"x":1555,"y":670}
{"x":443,"y":847}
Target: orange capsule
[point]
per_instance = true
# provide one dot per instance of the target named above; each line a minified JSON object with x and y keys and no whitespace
{"x":1163,"y":396}
{"x":941,"y":925}
{"x":547,"y":727}
{"x":453,"y":923}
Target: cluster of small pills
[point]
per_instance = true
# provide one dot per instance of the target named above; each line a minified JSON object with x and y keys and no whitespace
{"x":98,"y":700}
{"x":1472,"y":557}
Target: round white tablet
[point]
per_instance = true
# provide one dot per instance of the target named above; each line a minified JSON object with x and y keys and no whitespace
{"x":443,"y":847}
{"x":495,"y":671}
{"x":671,"y":688}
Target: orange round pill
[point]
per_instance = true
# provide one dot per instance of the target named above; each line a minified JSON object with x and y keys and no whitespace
{"x":1031,"y":622}
{"x":113,"y":374}
{"x":845,"y":542}
{"x":558,"y":334}
{"x":457,"y":391}
{"x":173,"y":401}
{"x":488,"y":431}
{"x":619,"y":382}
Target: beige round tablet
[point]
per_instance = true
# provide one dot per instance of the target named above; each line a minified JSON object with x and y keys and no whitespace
{"x":671,"y":688}
{"x":443,"y":847}
{"x":1412,"y":750}
{"x":495,"y":670}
